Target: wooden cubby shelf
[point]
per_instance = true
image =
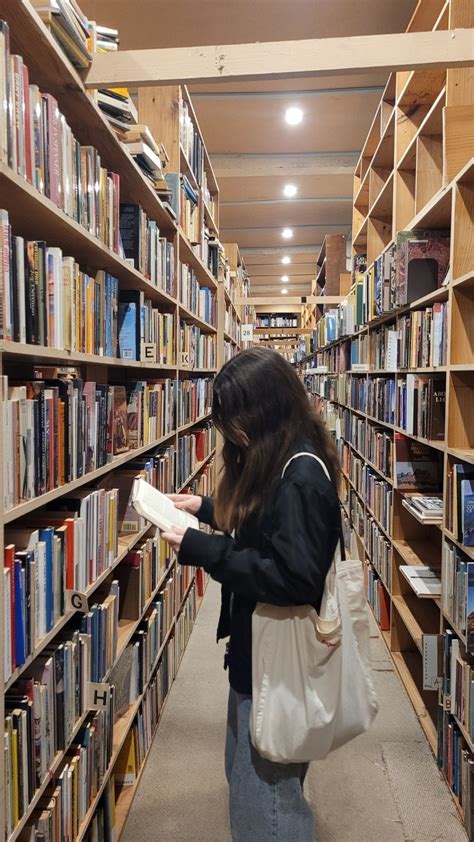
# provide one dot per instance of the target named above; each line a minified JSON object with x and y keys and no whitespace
{"x":415,"y":172}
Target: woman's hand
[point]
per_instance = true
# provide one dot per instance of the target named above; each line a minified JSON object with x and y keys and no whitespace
{"x":175,"y":536}
{"x":187,"y":502}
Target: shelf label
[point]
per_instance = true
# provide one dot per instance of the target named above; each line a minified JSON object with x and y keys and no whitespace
{"x":185,"y":359}
{"x":359,"y":367}
{"x":431,"y":661}
{"x":148,"y":352}
{"x":98,"y":696}
{"x":76,"y":601}
{"x":246,"y":333}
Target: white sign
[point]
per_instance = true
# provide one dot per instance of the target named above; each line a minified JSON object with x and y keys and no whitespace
{"x":246,"y":333}
{"x":431,"y":662}
{"x":148,"y":353}
{"x":98,"y":696}
{"x":359,"y":367}
{"x":76,"y":601}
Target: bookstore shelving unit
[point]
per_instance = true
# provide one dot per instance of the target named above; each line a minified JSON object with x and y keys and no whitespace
{"x":415,"y":172}
{"x":190,"y":354}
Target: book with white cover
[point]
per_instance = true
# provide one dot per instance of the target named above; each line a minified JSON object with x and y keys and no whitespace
{"x":424,"y":581}
{"x":159,"y":509}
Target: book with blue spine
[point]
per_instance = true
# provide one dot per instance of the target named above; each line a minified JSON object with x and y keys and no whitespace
{"x":467,"y":512}
{"x":47,"y":536}
{"x":128,"y":330}
{"x":20,"y":613}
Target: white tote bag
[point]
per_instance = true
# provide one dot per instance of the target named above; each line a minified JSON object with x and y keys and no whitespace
{"x":311,"y":686}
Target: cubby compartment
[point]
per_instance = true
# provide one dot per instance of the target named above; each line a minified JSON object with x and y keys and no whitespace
{"x":405,"y":192}
{"x":462,"y":338}
{"x":429,"y":155}
{"x":463,"y":235}
{"x":409,"y":664}
{"x":461,"y":411}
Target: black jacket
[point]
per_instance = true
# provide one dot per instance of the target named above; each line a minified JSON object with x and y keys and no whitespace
{"x":283,"y":560}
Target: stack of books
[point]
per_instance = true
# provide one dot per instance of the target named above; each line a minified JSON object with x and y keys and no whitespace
{"x":425,"y":508}
{"x":70,"y":28}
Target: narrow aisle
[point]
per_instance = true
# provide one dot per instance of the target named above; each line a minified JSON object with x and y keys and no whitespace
{"x":384,"y":787}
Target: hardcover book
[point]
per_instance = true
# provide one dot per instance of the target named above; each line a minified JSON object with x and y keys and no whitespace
{"x":417,"y":466}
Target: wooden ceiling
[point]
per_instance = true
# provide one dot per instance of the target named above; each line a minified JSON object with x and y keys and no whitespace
{"x":255,"y":152}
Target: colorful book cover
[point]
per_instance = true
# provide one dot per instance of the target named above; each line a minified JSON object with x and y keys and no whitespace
{"x":417,"y":466}
{"x":128,"y":331}
{"x":120,"y":421}
{"x":470,"y":607}
{"x":467,"y":512}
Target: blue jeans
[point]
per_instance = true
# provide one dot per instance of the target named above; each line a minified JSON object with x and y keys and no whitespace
{"x":266,"y":800}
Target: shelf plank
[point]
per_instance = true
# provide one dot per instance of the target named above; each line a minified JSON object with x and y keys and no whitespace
{"x":40,"y":354}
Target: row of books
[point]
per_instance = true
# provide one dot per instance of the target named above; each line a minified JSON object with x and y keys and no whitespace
{"x":189,"y":211}
{"x":59,"y":428}
{"x":193,"y":448}
{"x":276,"y":320}
{"x":197,"y":299}
{"x":148,"y":252}
{"x":458,"y":590}
{"x":375,"y":396}
{"x":194,"y":399}
{"x":232,"y":324}
{"x":379,"y":550}
{"x":205,"y":482}
{"x":423,"y":337}
{"x":357,"y":513}
{"x":139,"y":575}
{"x":416,"y":265}
{"x":63,"y":550}
{"x":458,"y":681}
{"x":460,"y":508}
{"x":191,"y":142}
{"x":82,"y":775}
{"x":380,"y":449}
{"x":41,"y":714}
{"x":37,"y":143}
{"x":230,"y":350}
{"x":197,"y":349}
{"x":378,"y":598}
{"x":457,"y":763}
{"x":157,"y":467}
{"x":421,"y":406}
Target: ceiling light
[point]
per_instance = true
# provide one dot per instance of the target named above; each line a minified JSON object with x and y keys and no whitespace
{"x":284,"y":292}
{"x":286,"y":259}
{"x":287,"y":233}
{"x":293,"y":116}
{"x":285,"y":279}
{"x":290,"y":190}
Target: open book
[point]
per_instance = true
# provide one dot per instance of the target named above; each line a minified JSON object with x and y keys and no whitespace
{"x":158,"y":508}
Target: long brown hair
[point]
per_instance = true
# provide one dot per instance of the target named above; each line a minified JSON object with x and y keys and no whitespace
{"x":261,"y":408}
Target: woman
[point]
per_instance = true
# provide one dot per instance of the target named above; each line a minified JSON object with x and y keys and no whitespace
{"x":286,"y":530}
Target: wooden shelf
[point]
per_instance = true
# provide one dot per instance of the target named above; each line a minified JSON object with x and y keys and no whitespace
{"x":188,"y":255}
{"x":189,"y":316}
{"x":418,"y":552}
{"x":40,"y":354}
{"x":206,"y":417}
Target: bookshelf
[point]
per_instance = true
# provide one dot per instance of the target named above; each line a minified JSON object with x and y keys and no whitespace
{"x":177,"y":442}
{"x":372,"y":349}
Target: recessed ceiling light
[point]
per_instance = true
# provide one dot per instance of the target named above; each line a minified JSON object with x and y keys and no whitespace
{"x":285,"y":279}
{"x":290,"y":190}
{"x":293,"y":116}
{"x":286,"y":259}
{"x":284,"y":292}
{"x":287,"y":233}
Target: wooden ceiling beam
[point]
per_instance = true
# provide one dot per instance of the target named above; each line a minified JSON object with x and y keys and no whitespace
{"x":254,"y":165}
{"x":383,"y":53}
{"x":250,"y":251}
{"x":269,"y":300}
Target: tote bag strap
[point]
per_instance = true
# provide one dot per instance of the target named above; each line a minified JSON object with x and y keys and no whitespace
{"x":340,"y":549}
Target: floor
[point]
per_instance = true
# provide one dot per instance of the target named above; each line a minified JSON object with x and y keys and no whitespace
{"x":382,"y":787}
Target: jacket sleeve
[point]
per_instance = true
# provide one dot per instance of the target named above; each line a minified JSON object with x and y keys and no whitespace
{"x":306,"y":527}
{"x":206,"y":512}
